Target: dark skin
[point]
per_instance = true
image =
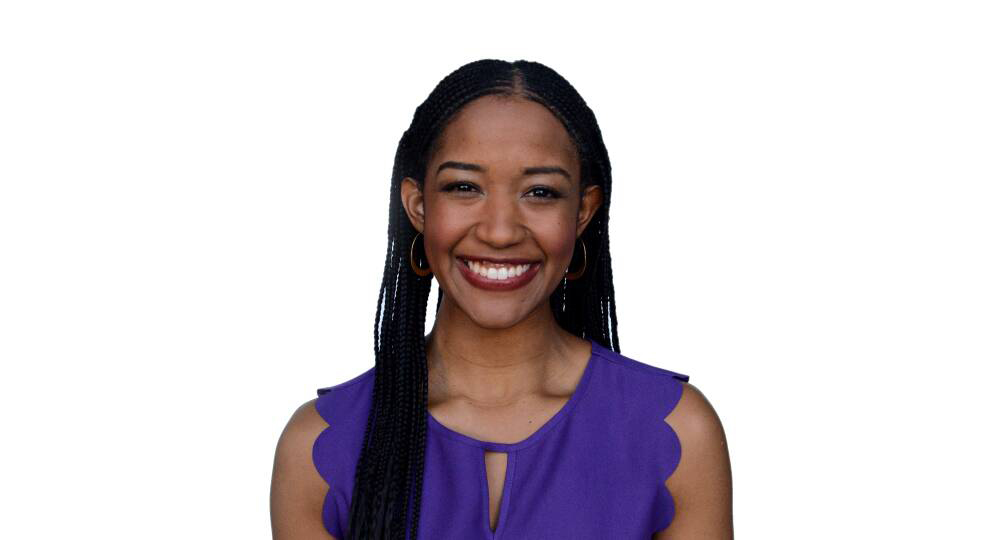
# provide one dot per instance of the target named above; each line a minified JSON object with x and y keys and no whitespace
{"x":499,"y":364}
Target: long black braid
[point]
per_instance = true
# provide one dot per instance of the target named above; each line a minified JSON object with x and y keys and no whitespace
{"x":389,"y":479}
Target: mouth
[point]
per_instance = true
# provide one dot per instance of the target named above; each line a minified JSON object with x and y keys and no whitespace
{"x":504,"y":275}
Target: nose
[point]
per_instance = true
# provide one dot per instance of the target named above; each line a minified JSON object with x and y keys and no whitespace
{"x":500,"y":221}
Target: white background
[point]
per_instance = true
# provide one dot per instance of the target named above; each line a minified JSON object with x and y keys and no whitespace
{"x":193,"y":223}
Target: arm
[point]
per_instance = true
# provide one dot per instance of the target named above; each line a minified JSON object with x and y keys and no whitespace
{"x":298,"y":490}
{"x":702,"y":483}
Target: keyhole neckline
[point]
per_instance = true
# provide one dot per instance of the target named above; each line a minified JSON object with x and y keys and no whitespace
{"x":537,"y":435}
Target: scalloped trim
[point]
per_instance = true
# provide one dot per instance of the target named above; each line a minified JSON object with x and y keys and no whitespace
{"x":665,"y":494}
{"x":324,"y":456}
{"x":330,"y":517}
{"x":678,"y":380}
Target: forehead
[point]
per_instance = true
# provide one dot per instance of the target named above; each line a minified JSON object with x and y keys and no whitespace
{"x":495,"y":130}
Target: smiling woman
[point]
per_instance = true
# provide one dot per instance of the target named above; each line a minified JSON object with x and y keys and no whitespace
{"x":520,"y":205}
{"x":517,"y":416}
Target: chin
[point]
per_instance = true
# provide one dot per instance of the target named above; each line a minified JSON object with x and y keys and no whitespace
{"x":494,"y":322}
{"x":490,"y":319}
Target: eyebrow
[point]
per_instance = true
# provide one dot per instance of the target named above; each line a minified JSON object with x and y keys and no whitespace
{"x":459,"y":166}
{"x":527,"y":171}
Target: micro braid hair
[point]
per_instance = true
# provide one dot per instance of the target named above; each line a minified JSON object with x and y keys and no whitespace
{"x":388,"y":482}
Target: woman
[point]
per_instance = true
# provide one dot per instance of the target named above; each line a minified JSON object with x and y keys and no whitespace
{"x":516,"y":417}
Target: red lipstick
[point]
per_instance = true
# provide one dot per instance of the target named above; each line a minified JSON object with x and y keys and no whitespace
{"x":488,"y":284}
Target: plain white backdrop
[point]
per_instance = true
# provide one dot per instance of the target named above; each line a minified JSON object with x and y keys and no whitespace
{"x":193,"y":222}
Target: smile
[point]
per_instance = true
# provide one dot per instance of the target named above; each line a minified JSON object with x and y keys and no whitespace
{"x":497,"y":276}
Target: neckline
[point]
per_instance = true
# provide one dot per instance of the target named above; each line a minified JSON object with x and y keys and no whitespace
{"x":579,"y":391}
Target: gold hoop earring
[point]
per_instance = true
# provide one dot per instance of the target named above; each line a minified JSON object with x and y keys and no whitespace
{"x":418,"y":270}
{"x":571,"y":276}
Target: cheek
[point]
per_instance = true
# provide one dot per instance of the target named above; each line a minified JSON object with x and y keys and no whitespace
{"x":556,"y":237}
{"x":563,"y":248}
{"x":443,"y":230}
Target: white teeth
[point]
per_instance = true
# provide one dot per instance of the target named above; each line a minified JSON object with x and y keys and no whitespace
{"x":497,"y":272}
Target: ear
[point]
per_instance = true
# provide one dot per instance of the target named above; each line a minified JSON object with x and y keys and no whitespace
{"x":412,"y":201}
{"x":591,"y":199}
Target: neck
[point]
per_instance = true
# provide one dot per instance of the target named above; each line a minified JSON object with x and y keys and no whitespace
{"x":493,"y":367}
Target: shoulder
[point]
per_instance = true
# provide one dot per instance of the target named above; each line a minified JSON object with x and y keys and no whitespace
{"x":648,"y":388}
{"x":701,"y":485}
{"x":295,"y":445}
{"x":695,"y":421}
{"x":636,"y":368}
{"x":345,"y":407}
{"x":297,"y":489}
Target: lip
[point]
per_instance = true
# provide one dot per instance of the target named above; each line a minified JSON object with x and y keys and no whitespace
{"x":499,"y":285}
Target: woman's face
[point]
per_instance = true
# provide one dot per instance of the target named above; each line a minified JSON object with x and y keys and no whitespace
{"x":502,"y":191}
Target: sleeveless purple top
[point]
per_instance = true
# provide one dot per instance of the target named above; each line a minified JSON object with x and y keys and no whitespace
{"x":596,"y":469}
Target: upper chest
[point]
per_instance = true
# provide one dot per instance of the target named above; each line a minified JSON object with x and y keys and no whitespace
{"x":594,"y":469}
{"x":587,"y":473}
{"x":509,"y":425}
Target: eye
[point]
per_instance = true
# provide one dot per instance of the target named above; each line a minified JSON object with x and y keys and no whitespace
{"x":456,"y":187}
{"x":543,"y":192}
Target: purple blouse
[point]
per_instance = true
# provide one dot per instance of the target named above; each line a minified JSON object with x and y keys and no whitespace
{"x":596,"y":469}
